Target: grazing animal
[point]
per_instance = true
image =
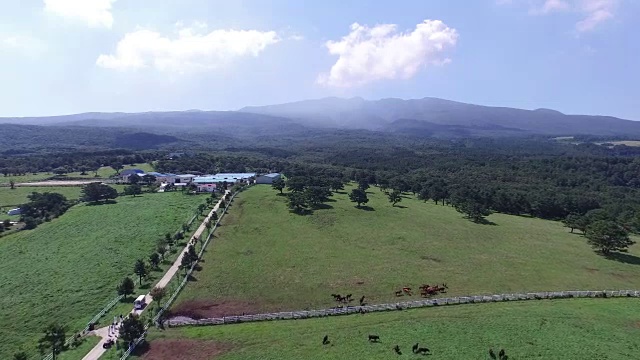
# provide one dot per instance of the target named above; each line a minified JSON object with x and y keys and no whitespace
{"x":492,"y":354}
{"x":414,"y":348}
{"x":348,"y":297}
{"x":399,"y":293}
{"x":374,"y":338}
{"x":422,"y":350}
{"x":501,"y":354}
{"x":397,"y":350}
{"x":325,"y":340}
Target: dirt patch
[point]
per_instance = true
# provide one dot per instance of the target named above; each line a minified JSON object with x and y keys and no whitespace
{"x":184,"y":349}
{"x":430,"y":258}
{"x":203,"y":309}
{"x":592,"y":270}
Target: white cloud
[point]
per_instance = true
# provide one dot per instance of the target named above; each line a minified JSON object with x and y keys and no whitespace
{"x":598,"y":11}
{"x":188,"y":52}
{"x":95,"y":13}
{"x":378,"y":53}
{"x":593,"y":12}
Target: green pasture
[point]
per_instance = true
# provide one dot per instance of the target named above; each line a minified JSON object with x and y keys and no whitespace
{"x":66,"y":270}
{"x":585,"y":329}
{"x":265,"y":258}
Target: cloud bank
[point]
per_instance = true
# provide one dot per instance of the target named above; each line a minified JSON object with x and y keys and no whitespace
{"x":378,"y":53}
{"x":191,"y":50}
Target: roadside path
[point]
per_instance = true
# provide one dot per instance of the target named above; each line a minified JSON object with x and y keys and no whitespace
{"x":98,"y":350}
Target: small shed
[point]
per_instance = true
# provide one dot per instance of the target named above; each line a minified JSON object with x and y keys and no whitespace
{"x":15,"y":211}
{"x":268,"y":178}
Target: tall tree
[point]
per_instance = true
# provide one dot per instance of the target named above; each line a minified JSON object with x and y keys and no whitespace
{"x":474,"y":210}
{"x":185,"y":262}
{"x":134,"y":179}
{"x":297,"y":183}
{"x":140,"y":269}
{"x":117,"y":166}
{"x":278,"y":184}
{"x":133,"y":190}
{"x":358,"y":196}
{"x":363,"y":184}
{"x":158,"y":293}
{"x":52,"y":340}
{"x":96,"y":192}
{"x":12,"y":184}
{"x":201,"y":208}
{"x":297,"y":202}
{"x":395,"y":196}
{"x":131,"y":329}
{"x":154,"y":260}
{"x":149,"y":179}
{"x":606,"y":236}
{"x":126,"y":287}
{"x":573,"y":221}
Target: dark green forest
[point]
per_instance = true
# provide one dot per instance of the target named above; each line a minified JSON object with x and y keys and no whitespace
{"x":532,"y":176}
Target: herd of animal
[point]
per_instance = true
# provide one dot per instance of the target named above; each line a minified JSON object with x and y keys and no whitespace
{"x":416,"y":349}
{"x":426,"y":290}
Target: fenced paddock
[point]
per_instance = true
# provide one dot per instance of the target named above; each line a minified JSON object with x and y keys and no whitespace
{"x":459,"y":300}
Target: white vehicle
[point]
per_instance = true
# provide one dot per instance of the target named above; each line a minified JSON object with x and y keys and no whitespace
{"x":140,"y":302}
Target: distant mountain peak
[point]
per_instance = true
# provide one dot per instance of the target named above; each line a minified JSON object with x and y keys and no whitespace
{"x":548,"y":111}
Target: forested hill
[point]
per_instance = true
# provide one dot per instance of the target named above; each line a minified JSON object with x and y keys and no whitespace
{"x":443,"y":117}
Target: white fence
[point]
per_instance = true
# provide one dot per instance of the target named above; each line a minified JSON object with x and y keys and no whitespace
{"x":305,"y":314}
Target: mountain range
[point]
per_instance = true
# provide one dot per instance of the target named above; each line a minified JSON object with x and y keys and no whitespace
{"x":430,"y":117}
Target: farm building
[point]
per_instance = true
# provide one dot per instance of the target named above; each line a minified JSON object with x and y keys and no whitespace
{"x":124,"y":174}
{"x":15,"y":211}
{"x":267,"y":178}
{"x":236,"y":177}
{"x":184,"y":179}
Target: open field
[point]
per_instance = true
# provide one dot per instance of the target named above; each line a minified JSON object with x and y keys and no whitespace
{"x":67,"y":270}
{"x":267,"y":259}
{"x":10,"y":198}
{"x":14,"y":197}
{"x":547,"y":329}
{"x":103,"y":173}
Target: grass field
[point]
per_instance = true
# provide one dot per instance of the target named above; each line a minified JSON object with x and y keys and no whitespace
{"x":67,"y":270}
{"x":103,"y":173}
{"x":10,"y":198}
{"x":585,"y":329}
{"x":265,"y":258}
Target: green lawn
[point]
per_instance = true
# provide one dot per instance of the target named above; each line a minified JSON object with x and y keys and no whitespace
{"x":103,"y":173}
{"x":265,"y":258}
{"x":585,"y":329}
{"x":10,"y":198}
{"x":67,"y":270}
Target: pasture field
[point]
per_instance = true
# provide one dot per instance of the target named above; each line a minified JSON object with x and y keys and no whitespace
{"x":10,"y":198}
{"x":265,"y":258}
{"x":586,"y":329}
{"x":103,"y":173}
{"x":14,"y":197}
{"x":66,"y":270}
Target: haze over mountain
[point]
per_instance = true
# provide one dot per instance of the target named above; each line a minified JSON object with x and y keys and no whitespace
{"x":418,"y":117}
{"x":438,"y":114}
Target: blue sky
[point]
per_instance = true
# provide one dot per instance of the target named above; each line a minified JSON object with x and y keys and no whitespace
{"x":69,"y":56}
